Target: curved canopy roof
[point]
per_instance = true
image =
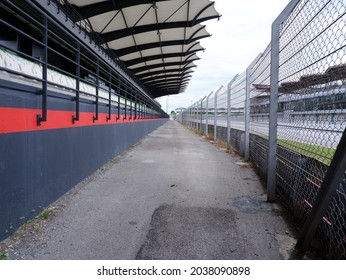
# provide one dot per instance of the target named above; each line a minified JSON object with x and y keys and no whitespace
{"x":157,"y":40}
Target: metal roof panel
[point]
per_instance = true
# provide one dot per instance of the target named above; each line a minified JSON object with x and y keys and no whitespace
{"x":155,"y":39}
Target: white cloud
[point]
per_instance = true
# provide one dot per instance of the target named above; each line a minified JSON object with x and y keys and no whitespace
{"x":237,"y":38}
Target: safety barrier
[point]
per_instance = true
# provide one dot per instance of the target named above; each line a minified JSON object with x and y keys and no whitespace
{"x":67,"y":107}
{"x":49,"y":57}
{"x":287,"y":114}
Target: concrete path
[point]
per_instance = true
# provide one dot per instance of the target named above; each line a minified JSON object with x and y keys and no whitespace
{"x":172,"y":196}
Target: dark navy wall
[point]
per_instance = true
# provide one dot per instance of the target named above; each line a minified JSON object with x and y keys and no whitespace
{"x":38,"y":166}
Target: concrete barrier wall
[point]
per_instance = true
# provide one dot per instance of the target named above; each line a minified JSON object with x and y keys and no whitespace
{"x":38,"y":166}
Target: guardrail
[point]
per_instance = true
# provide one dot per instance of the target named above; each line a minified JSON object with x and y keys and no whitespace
{"x":287,"y":114}
{"x":50,"y":57}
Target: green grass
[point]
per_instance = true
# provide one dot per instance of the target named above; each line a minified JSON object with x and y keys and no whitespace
{"x":320,"y":153}
{"x":46,"y":214}
{"x":35,"y":224}
{"x":3,"y":255}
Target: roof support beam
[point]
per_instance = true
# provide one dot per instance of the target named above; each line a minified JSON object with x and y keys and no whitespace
{"x":167,"y":90}
{"x":161,"y":65}
{"x":135,"y":61}
{"x":170,"y":86}
{"x":168,"y":82}
{"x":95,"y":9}
{"x":178,"y":78}
{"x":155,"y":39}
{"x":132,"y":49}
{"x":161,"y":78}
{"x":145,"y":75}
{"x":118,"y":34}
{"x":197,"y":20}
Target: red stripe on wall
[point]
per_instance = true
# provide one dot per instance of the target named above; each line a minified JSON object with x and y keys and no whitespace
{"x":19,"y":120}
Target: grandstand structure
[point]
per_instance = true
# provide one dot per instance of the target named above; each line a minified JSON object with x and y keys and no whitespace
{"x":78,"y":86}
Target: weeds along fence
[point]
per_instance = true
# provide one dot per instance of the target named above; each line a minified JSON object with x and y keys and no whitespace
{"x":286,"y":113}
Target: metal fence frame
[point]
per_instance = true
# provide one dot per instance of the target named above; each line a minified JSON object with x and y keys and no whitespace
{"x":137,"y":101}
{"x":233,"y":126}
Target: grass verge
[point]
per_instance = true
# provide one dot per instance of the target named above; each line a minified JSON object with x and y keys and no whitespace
{"x":322,"y":154}
{"x":3,"y":255}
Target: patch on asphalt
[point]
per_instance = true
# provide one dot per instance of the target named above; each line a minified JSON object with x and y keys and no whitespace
{"x":178,"y":232}
{"x":286,"y":244}
{"x":254,"y":204}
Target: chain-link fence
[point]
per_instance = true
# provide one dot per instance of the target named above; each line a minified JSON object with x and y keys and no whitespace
{"x":259,"y":112}
{"x":287,"y":114}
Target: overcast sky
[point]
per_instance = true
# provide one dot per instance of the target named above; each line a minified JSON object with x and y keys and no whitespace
{"x":237,"y":38}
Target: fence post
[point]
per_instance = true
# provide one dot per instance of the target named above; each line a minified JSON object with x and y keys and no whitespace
{"x":229,"y":91}
{"x":273,"y":107}
{"x":331,"y":182}
{"x":207,"y":120}
{"x":196,"y":116}
{"x":247,"y":107}
{"x":274,"y":88}
{"x":189,"y":116}
{"x":215,"y":113}
{"x":192,"y":115}
{"x":201,"y":127}
{"x":44,"y":107}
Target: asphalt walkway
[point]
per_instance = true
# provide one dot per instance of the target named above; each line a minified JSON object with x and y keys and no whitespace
{"x":174,"y":195}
